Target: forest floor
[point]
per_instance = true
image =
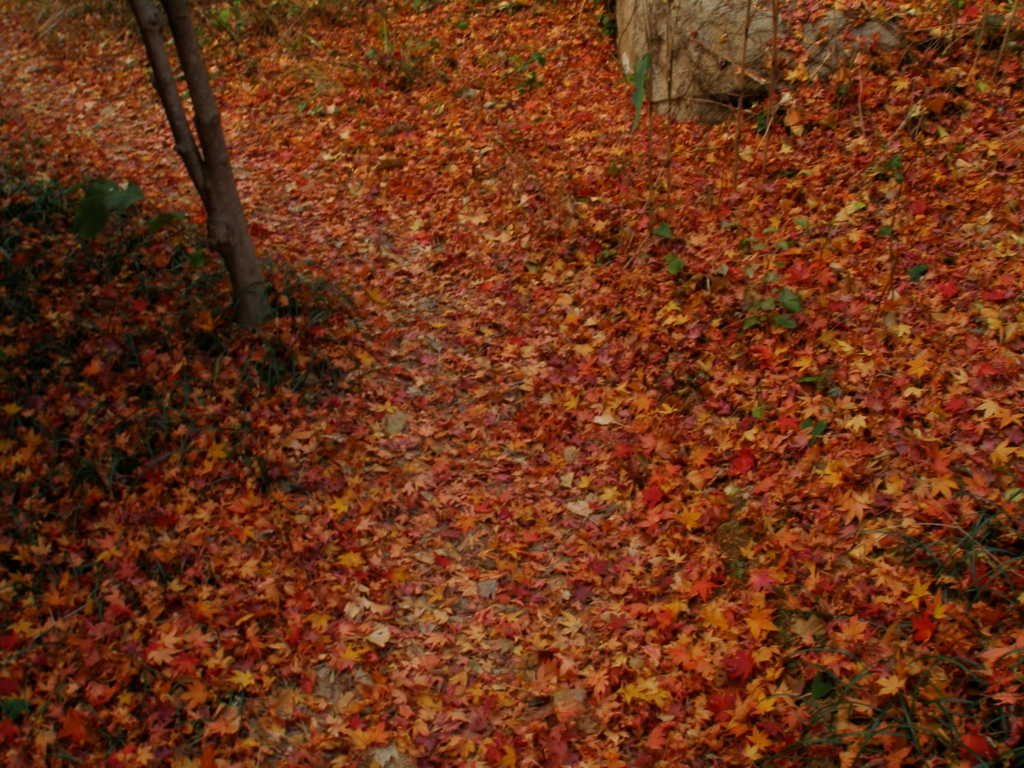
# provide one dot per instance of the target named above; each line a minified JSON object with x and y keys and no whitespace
{"x":550,"y":456}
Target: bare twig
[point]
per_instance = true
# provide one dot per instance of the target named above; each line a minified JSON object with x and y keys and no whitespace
{"x":772,"y":84}
{"x":739,"y":105}
{"x":1010,"y":21}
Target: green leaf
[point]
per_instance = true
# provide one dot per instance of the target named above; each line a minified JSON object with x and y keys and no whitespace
{"x":821,"y":686}
{"x":662,"y":230}
{"x":819,"y":428}
{"x":885,"y":231}
{"x":13,"y":708}
{"x":640,"y":87}
{"x":807,"y":423}
{"x":120,"y":196}
{"x":801,"y":222}
{"x":197,"y":258}
{"x":917,"y":271}
{"x":784,"y":321}
{"x":751,"y":321}
{"x":100,"y":199}
{"x":90,"y":217}
{"x":164,"y":219}
{"x":758,"y":411}
{"x":808,"y":379}
{"x":675,"y":264}
{"x":791,"y":302}
{"x":767,"y":305}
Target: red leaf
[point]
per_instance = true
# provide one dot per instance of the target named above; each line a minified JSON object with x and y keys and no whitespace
{"x":955,"y":405}
{"x":8,"y":730}
{"x":743,"y":462}
{"x":977,"y":744}
{"x":761,"y":579}
{"x":721,"y":704}
{"x":653,"y":495}
{"x":987,"y":369}
{"x":997,"y":295}
{"x":787,"y":423}
{"x":74,"y":723}
{"x":924,"y":627}
{"x":740,"y":666}
{"x":702,"y":587}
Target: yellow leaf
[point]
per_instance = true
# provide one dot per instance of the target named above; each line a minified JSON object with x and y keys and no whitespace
{"x":889,"y":686}
{"x":161,"y":655}
{"x":352,"y":654}
{"x":351,"y":559}
{"x":918,"y":367}
{"x":714,"y":616}
{"x":856,"y":423}
{"x":22,"y":627}
{"x":11,"y":409}
{"x":759,"y":739}
{"x":318,"y":621}
{"x":338,"y":504}
{"x":1002,"y":454}
{"x":944,"y":486}
{"x":195,"y":696}
{"x":760,"y":620}
{"x":216,"y":451}
{"x":243,"y":678}
{"x":646,"y":690}
{"x":920,"y":590}
{"x":989,"y":409}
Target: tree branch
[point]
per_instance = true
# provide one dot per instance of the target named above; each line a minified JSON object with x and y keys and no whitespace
{"x":148,"y":18}
{"x":207,"y":114}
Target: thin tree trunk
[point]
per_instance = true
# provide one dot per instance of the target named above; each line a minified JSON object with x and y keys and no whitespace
{"x":208,"y":164}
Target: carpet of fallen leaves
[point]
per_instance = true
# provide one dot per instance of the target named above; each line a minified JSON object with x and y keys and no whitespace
{"x":557,"y":490}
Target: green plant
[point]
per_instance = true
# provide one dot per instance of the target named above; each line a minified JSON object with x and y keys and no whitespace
{"x":406,"y":64}
{"x":778,"y":308}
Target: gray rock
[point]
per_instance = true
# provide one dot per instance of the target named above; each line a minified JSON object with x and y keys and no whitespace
{"x":698,"y":47}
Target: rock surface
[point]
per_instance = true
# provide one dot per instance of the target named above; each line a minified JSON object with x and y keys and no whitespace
{"x":699,"y":47}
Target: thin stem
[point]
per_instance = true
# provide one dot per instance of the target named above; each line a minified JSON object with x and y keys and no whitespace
{"x":739,"y":105}
{"x":772,"y":84}
{"x":1006,"y":35}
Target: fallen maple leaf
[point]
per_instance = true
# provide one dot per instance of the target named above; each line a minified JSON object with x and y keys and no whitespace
{"x":740,"y":666}
{"x":243,"y":678}
{"x":924,"y":627}
{"x":227,"y":724}
{"x":760,"y":620}
{"x":890,"y":685}
{"x":195,"y":696}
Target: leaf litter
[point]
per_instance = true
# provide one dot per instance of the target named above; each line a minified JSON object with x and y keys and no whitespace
{"x":579,"y":494}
